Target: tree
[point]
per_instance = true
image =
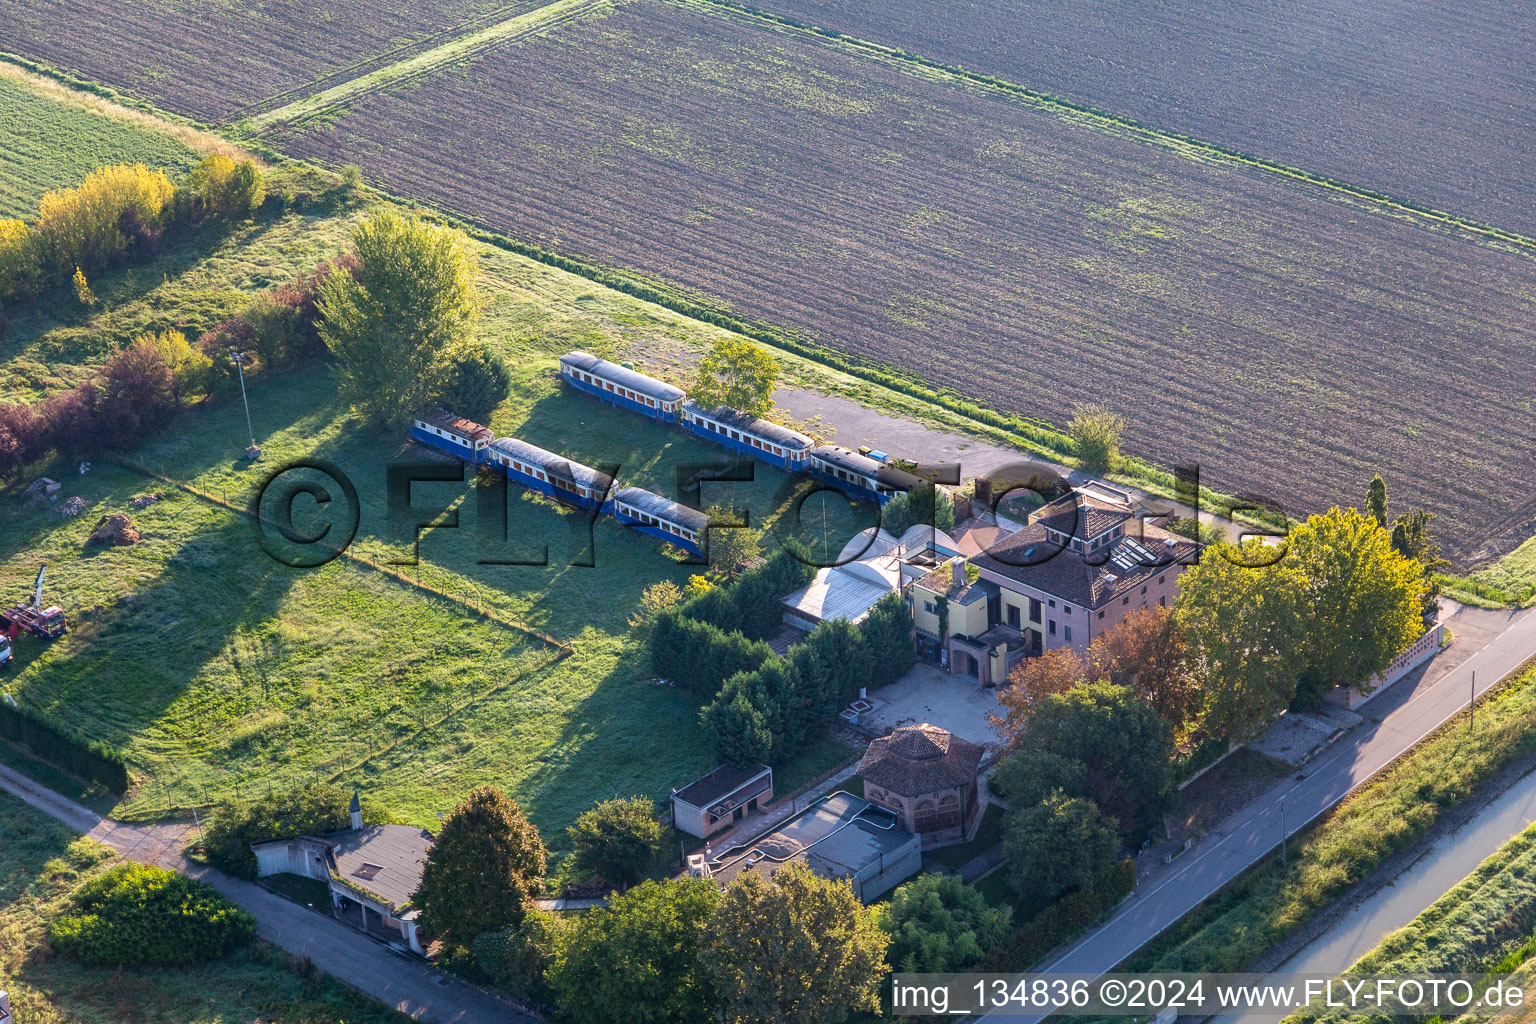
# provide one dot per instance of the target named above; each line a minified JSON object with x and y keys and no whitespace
{"x":799,"y":949}
{"x":1149,"y":652}
{"x":1060,"y":845}
{"x":1363,"y":601}
{"x":1242,"y":629}
{"x":737,"y":374}
{"x":483,"y":869}
{"x":191,"y":370}
{"x":23,"y":438}
{"x":518,"y":958}
{"x":21,"y":261}
{"x":654,"y":600}
{"x":477,"y":381}
{"x":924,"y":505}
{"x":398,"y":322}
{"x":890,"y":646}
{"x":731,"y":547}
{"x":1124,"y":746}
{"x":1376,"y":501}
{"x":939,"y":924}
{"x":228,"y":190}
{"x":83,"y":227}
{"x":618,"y":839}
{"x":636,"y":961}
{"x":137,"y":394}
{"x":1031,"y":681}
{"x":1028,"y":777}
{"x":82,"y":287}
{"x":1095,"y":434}
{"x":1411,"y":539}
{"x":737,"y":725}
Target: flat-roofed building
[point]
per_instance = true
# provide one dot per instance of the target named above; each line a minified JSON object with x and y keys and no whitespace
{"x":721,"y":799}
{"x":840,"y":836}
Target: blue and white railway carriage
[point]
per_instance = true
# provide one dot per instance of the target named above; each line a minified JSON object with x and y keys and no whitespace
{"x":785,"y":448}
{"x":858,"y":476}
{"x":551,"y":474}
{"x":626,"y":388}
{"x":650,"y":513}
{"x":453,"y":434}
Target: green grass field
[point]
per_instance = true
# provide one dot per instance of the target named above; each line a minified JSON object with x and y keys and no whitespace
{"x":217,"y":669}
{"x":42,"y":864}
{"x":51,"y":145}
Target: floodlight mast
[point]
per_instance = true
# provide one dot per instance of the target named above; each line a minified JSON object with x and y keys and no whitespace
{"x":239,"y":359}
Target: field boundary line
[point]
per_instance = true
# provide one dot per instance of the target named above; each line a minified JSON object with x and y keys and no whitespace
{"x":565,"y":647}
{"x":1192,"y":147}
{"x":370,"y":63}
{"x":439,"y":57}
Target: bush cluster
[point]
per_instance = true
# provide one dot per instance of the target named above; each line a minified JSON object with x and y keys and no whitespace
{"x":139,"y":914}
{"x":90,"y":759}
{"x":769,"y":713}
{"x":119,"y":214}
{"x":233,"y":825}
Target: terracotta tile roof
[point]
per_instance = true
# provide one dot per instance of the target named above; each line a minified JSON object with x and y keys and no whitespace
{"x":1082,"y":515}
{"x":917,"y":759}
{"x":1087,"y":579}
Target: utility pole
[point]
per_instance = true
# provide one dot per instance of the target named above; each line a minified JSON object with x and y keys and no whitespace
{"x":239,"y":358}
{"x":1472,"y":703}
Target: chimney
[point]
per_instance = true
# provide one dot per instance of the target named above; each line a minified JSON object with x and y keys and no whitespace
{"x":356,"y":809}
{"x":957,"y":566}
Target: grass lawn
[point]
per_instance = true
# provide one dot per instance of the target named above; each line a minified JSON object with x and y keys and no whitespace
{"x":309,"y":892}
{"x":1484,"y":923}
{"x":1510,"y":580}
{"x":42,"y":863}
{"x":54,"y":137}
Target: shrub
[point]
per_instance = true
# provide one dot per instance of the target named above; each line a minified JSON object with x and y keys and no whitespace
{"x":618,"y":840}
{"x":90,"y":759}
{"x":22,"y":438}
{"x":476,"y":383}
{"x":226,"y":190}
{"x":517,"y":958}
{"x":1095,"y":434}
{"x":83,"y":227}
{"x":938,"y":923}
{"x":924,"y":505}
{"x":234,"y":825}
{"x":140,"y":914}
{"x":699,"y":656}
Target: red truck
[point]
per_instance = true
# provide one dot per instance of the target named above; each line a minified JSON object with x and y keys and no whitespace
{"x":31,"y":616}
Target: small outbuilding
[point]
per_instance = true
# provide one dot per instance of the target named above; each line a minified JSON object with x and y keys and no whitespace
{"x":373,"y":873}
{"x":927,"y":778}
{"x":721,"y":799}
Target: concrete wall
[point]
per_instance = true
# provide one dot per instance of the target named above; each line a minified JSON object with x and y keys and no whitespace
{"x":295,"y":857}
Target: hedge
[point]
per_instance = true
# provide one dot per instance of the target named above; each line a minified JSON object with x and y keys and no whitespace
{"x":141,"y":914}
{"x":90,"y":759}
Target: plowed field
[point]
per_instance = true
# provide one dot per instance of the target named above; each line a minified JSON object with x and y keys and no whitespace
{"x":1290,"y":343}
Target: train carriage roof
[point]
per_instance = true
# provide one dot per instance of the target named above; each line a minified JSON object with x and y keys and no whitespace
{"x":457,"y":424}
{"x":622,"y":375}
{"x":548,"y":461}
{"x":663,"y":508}
{"x":853,"y":462}
{"x":765,"y":429}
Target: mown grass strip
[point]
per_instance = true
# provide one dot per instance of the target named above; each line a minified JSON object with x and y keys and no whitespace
{"x":1469,"y":930}
{"x":1190,"y":146}
{"x":430,"y":60}
{"x":1271,"y":901}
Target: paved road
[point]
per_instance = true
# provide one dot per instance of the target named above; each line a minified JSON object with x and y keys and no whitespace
{"x":406,"y":984}
{"x":1253,"y":832}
